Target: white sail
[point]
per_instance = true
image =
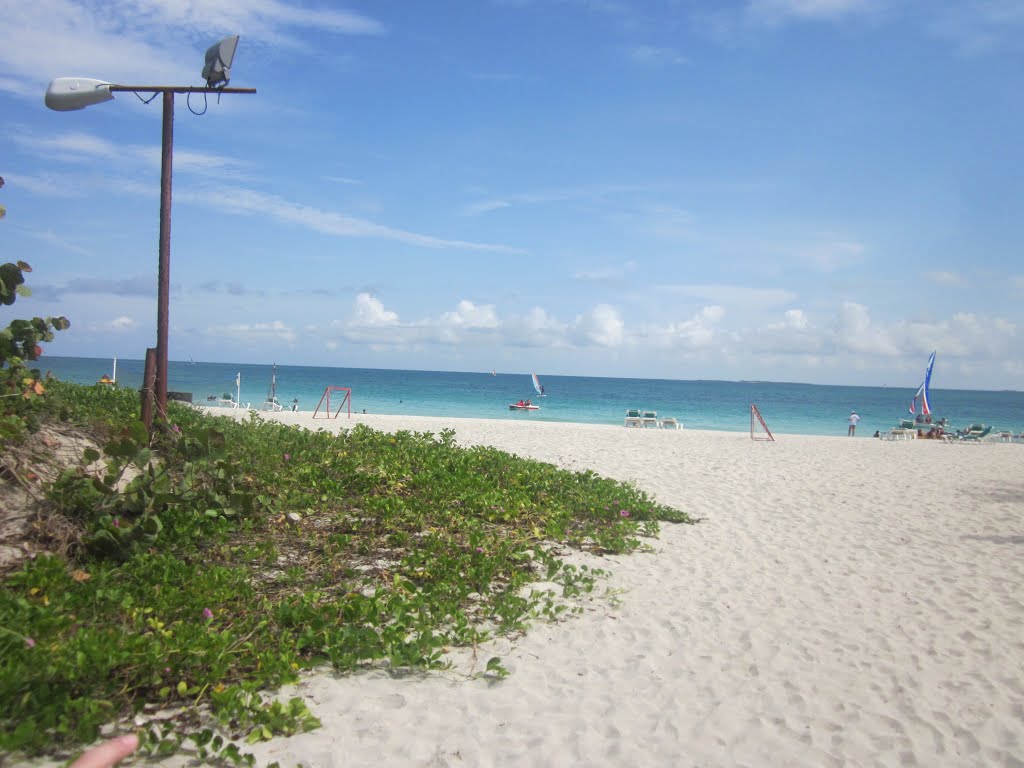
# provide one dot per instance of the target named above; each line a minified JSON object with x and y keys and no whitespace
{"x":537,"y":385}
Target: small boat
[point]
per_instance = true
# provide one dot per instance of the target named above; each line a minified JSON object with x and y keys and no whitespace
{"x":520,"y":406}
{"x":271,"y":403}
{"x":111,"y":380}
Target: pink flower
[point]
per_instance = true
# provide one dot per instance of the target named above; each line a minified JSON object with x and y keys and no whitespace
{"x":117,"y":523}
{"x":480,"y":550}
{"x":207,"y":614}
{"x":30,"y":642}
{"x":624,"y":512}
{"x":287,"y":457}
{"x":176,"y":428}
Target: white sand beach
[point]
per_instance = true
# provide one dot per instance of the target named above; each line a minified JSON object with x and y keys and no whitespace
{"x":843,"y":601}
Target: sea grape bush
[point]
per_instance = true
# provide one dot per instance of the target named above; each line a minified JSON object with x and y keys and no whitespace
{"x":21,"y":387}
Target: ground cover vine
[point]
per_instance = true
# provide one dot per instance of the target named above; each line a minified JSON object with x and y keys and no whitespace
{"x":225,"y":558}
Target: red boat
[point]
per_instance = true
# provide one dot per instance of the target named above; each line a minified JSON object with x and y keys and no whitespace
{"x":523,"y":405}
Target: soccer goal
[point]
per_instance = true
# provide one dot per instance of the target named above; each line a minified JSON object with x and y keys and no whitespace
{"x":345,"y":395}
{"x":758,"y":429}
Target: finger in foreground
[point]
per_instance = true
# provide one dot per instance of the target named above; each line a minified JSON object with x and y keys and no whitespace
{"x":108,"y":754}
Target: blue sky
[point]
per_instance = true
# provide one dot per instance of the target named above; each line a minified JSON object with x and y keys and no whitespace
{"x":788,"y":190}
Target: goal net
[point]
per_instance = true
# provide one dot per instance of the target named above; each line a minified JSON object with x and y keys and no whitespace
{"x":758,"y":429}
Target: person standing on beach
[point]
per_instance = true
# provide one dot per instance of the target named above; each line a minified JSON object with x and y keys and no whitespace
{"x":854,"y":418}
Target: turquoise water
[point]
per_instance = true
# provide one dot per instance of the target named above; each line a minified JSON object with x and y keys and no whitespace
{"x":720,"y":405}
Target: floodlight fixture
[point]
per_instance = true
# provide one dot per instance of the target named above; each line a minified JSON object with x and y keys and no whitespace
{"x":219,"y":56}
{"x":67,"y":94}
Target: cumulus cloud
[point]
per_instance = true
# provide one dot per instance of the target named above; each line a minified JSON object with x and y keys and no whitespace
{"x":122,"y":323}
{"x":602,"y":326}
{"x":856,"y":333}
{"x":699,"y":331}
{"x":469,"y":315}
{"x":369,"y":311}
{"x":536,"y":328}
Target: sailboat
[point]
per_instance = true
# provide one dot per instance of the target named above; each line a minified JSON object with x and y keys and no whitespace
{"x":271,"y":403}
{"x":922,"y":394}
{"x":922,"y":421}
{"x":537,"y":385}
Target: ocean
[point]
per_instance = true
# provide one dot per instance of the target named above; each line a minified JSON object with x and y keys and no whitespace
{"x":808,"y":409}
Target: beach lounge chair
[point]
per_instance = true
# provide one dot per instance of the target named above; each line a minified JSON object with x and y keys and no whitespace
{"x":649,"y":419}
{"x":228,"y":401}
{"x":669,"y":422}
{"x":900,"y":433}
{"x":975,"y":433}
{"x":633,"y":418}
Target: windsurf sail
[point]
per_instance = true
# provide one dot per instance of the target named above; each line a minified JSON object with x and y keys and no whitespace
{"x":922,"y":392}
{"x":537,"y":385}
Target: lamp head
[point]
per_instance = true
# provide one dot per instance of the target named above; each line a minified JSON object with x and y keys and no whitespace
{"x":218,"y":62}
{"x":69,"y":93}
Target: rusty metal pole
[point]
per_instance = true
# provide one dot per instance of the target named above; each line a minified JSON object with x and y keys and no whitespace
{"x":164,"y":270}
{"x":148,"y":377}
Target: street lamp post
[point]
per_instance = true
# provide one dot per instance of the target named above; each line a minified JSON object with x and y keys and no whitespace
{"x":72,"y":93}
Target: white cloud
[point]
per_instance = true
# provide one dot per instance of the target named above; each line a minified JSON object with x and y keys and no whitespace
{"x":122,"y":323}
{"x":469,"y":315}
{"x":699,"y":331}
{"x":240,"y":200}
{"x":254,"y":333}
{"x":780,"y":11}
{"x":146,"y":41}
{"x":369,"y":311}
{"x":602,"y":326}
{"x":856,"y":333}
{"x":82,"y":148}
{"x":484,"y":206}
{"x":795,"y":318}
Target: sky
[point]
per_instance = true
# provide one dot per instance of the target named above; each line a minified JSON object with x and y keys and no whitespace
{"x":820,"y":191}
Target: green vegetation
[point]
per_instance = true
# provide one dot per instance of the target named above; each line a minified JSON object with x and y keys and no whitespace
{"x":225,"y":558}
{"x":20,"y":387}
